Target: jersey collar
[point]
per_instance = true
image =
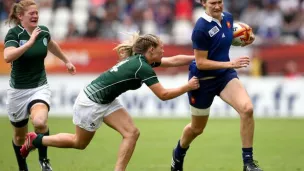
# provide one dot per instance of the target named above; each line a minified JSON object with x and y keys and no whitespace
{"x":209,"y":18}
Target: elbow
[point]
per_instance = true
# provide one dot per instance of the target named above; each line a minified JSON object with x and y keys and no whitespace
{"x":7,"y":60}
{"x":200,"y":66}
{"x":164,"y":96}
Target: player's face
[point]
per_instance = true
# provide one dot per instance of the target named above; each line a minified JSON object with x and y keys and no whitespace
{"x":158,"y":52}
{"x":214,"y":8}
{"x":30,"y":17}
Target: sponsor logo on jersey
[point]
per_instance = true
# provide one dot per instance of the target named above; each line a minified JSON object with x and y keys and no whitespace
{"x":22,"y":42}
{"x":228,"y":24}
{"x":45,"y":41}
{"x":223,"y":36}
{"x":213,"y":31}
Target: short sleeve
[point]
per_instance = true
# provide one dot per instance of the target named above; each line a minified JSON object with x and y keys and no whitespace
{"x":200,"y":40}
{"x":11,"y":39}
{"x":147,"y":75}
{"x":155,"y":64}
{"x":47,"y":31}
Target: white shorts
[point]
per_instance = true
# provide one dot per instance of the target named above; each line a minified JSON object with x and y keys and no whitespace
{"x":19,"y":99}
{"x":89,"y":115}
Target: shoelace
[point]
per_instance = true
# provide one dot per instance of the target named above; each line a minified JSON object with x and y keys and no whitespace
{"x":46,"y":162}
{"x":255,"y":163}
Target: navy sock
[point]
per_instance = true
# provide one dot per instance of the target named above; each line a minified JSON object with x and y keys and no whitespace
{"x":21,"y":161}
{"x":179,"y":151}
{"x":247,"y":155}
{"x":42,"y":150}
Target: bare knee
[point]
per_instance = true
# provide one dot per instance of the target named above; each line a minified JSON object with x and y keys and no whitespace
{"x":40,"y":124}
{"x":19,"y":140}
{"x":132,"y":134}
{"x":247,"y":111}
{"x":196,"y":130}
{"x":79,"y":144}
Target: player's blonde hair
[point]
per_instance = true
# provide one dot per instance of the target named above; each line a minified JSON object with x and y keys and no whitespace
{"x":136,"y":45}
{"x":18,"y":8}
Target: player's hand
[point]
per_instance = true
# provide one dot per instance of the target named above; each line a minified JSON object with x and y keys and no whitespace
{"x":251,"y":39}
{"x":34,"y":36}
{"x":240,"y":62}
{"x":193,"y":83}
{"x":71,"y":68}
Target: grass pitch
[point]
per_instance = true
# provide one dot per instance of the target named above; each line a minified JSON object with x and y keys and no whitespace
{"x":279,"y":146}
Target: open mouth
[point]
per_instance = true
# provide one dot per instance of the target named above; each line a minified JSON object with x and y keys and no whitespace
{"x":34,"y":21}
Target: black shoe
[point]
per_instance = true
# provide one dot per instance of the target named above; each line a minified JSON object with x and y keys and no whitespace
{"x":45,"y":165}
{"x":176,"y":164}
{"x":252,"y":166}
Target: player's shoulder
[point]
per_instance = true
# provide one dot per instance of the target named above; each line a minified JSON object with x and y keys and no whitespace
{"x":15,"y":30}
{"x":227,"y":15}
{"x":44,"y":28}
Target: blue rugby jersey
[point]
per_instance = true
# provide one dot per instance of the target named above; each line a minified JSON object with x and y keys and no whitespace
{"x":215,"y":37}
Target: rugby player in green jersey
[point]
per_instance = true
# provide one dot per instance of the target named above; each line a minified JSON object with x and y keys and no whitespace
{"x":98,"y":103}
{"x":26,"y":46}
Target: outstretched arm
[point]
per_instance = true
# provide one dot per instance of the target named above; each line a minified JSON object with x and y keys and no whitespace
{"x":54,"y":48}
{"x":167,"y":94}
{"x":178,"y":60}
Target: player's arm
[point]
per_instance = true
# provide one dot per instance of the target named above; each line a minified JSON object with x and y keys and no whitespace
{"x":175,"y":61}
{"x":54,"y":48}
{"x":14,"y":51}
{"x":203,"y":63}
{"x":167,"y":94}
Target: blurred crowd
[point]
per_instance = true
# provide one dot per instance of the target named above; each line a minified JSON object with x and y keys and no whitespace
{"x":272,"y":20}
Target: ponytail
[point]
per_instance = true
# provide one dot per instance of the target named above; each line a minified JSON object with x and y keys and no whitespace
{"x":13,"y":18}
{"x":125,"y":49}
{"x":136,"y":45}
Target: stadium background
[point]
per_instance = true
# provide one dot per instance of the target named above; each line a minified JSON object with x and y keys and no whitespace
{"x":87,"y":31}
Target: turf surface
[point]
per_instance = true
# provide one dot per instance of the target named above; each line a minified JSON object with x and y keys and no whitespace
{"x":279,"y":146}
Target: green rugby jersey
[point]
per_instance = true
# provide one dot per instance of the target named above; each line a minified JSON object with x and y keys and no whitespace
{"x":128,"y":74}
{"x":28,"y":70}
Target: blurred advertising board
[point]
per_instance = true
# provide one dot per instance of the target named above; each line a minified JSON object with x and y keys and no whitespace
{"x":93,"y":56}
{"x":271,"y":96}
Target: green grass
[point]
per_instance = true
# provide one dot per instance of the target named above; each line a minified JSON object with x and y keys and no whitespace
{"x":279,"y":146}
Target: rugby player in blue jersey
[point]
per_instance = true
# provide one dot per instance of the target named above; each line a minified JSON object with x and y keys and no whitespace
{"x":212,"y":37}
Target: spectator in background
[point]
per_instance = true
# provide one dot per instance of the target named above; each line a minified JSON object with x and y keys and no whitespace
{"x":127,"y":26}
{"x":251,"y":16}
{"x":271,"y":22}
{"x":72,"y":31}
{"x":65,"y":3}
{"x":5,"y":6}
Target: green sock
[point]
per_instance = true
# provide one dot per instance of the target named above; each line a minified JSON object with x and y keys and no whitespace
{"x":37,"y":142}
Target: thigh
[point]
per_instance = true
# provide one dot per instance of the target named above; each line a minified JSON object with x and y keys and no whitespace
{"x":121,"y":121}
{"x":200,"y":98}
{"x":235,"y":94}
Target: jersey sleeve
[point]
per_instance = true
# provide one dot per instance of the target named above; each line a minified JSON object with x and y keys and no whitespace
{"x":200,"y":40}
{"x":11,"y":39}
{"x":47,"y":32}
{"x":147,"y":75}
{"x":155,"y":64}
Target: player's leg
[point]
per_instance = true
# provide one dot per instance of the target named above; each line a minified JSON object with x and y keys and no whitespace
{"x":20,"y":130}
{"x":16,"y":108}
{"x":38,"y":109}
{"x":235,"y":94}
{"x":80,"y":140}
{"x":200,"y":102}
{"x":121,"y":121}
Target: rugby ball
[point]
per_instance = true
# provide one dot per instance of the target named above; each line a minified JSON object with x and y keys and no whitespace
{"x":241,"y":33}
